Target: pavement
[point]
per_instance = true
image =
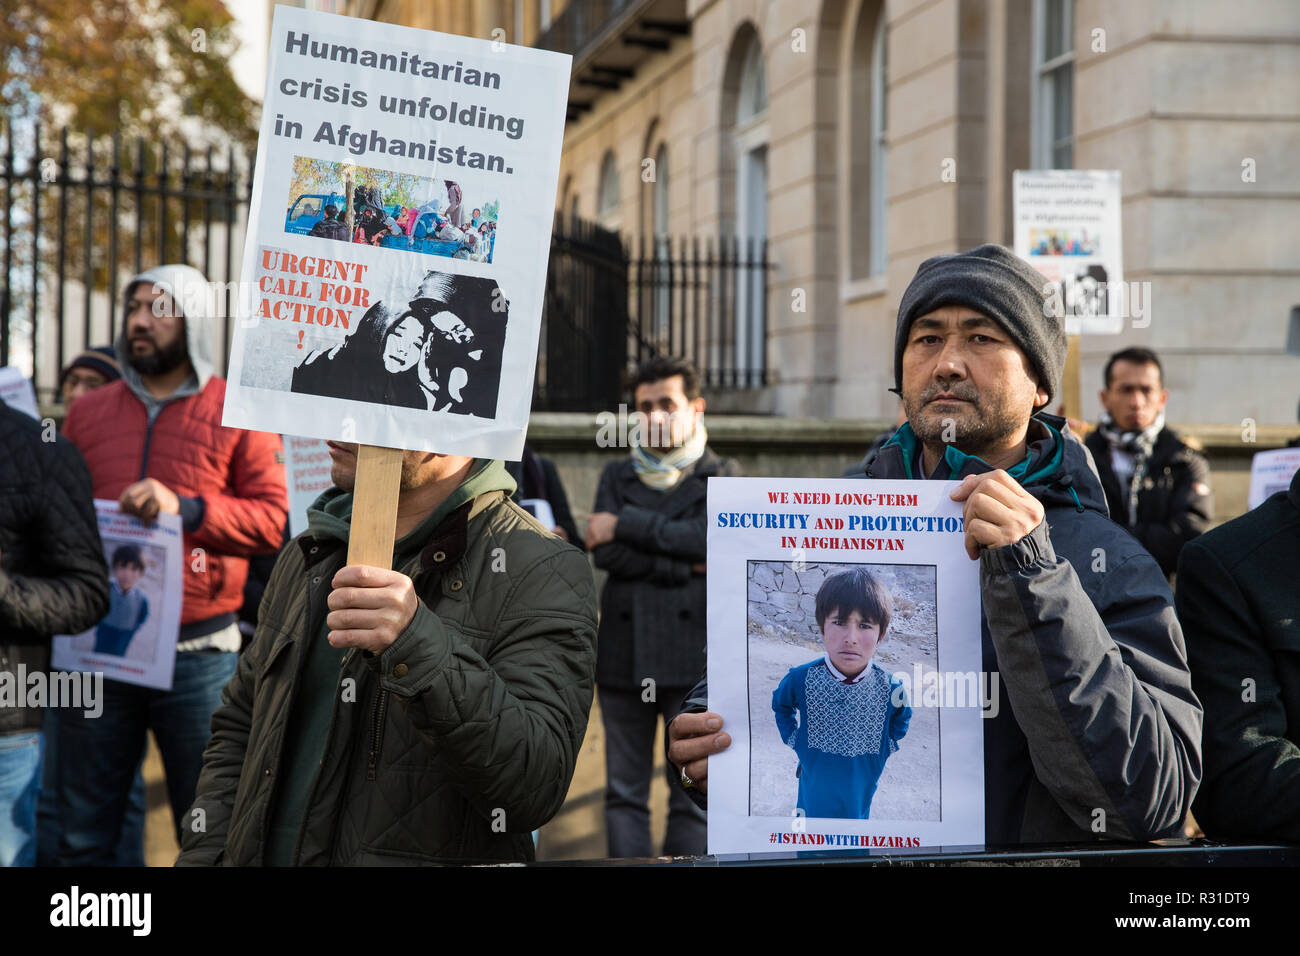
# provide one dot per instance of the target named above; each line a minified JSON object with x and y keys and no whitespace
{"x":576,"y":833}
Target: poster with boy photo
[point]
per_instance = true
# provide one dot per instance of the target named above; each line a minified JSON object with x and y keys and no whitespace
{"x":135,"y":642}
{"x":844,"y":655}
{"x":831,"y":650}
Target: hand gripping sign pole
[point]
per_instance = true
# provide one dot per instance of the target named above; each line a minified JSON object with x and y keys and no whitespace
{"x":374,"y":509}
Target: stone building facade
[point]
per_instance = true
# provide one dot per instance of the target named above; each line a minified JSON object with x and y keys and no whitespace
{"x":861,"y":136}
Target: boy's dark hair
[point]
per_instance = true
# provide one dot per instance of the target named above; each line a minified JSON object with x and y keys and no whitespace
{"x":856,"y":589}
{"x":128,"y":555}
{"x":1136,"y":356}
{"x":666,"y":366}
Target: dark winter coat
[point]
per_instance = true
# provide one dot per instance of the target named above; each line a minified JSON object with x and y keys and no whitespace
{"x":330,"y":229}
{"x":53,"y":577}
{"x":1175,"y":503}
{"x":1078,"y":621}
{"x":652,"y":622}
{"x":1239,"y":601}
{"x":537,"y":477}
{"x":454,"y":743}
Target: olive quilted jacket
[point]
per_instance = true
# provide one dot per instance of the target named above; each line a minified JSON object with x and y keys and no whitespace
{"x":450,"y":746}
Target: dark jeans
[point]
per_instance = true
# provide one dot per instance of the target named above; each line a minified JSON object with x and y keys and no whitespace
{"x":20,"y":789}
{"x":98,"y":757}
{"x":49,"y":826}
{"x":630,"y":725}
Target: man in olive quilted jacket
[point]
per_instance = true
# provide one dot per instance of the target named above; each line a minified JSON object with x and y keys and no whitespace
{"x":428,"y":714}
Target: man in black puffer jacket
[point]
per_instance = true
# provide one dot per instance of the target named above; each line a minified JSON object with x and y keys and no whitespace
{"x":53,"y":580}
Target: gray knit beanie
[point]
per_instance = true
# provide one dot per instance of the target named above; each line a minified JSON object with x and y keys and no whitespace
{"x":996,"y":283}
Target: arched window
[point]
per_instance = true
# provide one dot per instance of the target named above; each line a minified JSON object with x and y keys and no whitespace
{"x":750,"y":136}
{"x":659,"y":211}
{"x":607,"y":203}
{"x":867,"y":144}
{"x":749,"y":140}
{"x":661,"y":270}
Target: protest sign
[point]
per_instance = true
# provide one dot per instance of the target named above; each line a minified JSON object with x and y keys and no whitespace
{"x":136,"y":641}
{"x":1067,"y":226}
{"x":307,"y":467}
{"x":16,"y":391}
{"x":862,"y":729}
{"x":1271,"y":472}
{"x":398,"y":237}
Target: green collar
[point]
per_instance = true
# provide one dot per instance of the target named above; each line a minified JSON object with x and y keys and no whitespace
{"x":330,"y":515}
{"x":958,"y":461}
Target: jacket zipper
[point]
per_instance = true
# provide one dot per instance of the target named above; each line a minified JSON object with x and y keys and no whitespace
{"x":377,"y":735}
{"x":329,"y":737}
{"x":148,"y":440}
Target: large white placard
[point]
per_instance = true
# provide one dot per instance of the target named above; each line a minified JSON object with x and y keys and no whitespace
{"x":1271,"y":472}
{"x":417,"y":326}
{"x":16,"y":391}
{"x":1067,"y":226}
{"x":818,"y":763}
{"x":136,"y":640}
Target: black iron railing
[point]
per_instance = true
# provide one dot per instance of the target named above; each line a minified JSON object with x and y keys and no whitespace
{"x":582,"y":350}
{"x":705,"y":299}
{"x":81,"y":216}
{"x":611,"y":305}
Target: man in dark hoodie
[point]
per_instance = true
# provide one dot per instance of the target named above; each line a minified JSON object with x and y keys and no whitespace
{"x":1102,"y":738}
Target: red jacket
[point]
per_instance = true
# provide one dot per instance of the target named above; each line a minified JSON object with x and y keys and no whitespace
{"x":239,"y":475}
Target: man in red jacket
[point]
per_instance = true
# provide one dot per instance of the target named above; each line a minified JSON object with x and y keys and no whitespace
{"x":154,"y":442}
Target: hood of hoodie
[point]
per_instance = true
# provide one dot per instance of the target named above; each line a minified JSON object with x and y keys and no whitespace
{"x":1057,"y":468}
{"x":193,"y":297}
{"x":330,"y":515}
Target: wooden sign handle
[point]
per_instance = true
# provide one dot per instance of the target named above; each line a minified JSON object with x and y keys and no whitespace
{"x":374,"y":506}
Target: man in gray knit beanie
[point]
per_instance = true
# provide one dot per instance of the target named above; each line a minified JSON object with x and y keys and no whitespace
{"x":978,"y":350}
{"x":1103,"y":734}
{"x":997,"y":283}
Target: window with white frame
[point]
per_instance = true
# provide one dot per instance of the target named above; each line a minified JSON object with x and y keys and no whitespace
{"x":866,"y":122}
{"x":1053,"y":88}
{"x":607,"y":201}
{"x":750,"y":134}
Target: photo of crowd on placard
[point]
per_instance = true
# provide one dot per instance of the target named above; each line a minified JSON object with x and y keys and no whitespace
{"x":390,"y":210}
{"x":439,"y":351}
{"x":1064,"y":242}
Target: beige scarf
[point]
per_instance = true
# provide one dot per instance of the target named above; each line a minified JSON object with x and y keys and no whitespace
{"x":666,"y":473}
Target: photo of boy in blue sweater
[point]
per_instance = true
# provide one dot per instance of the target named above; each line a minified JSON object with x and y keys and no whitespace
{"x":128,"y":608}
{"x":847,"y":722}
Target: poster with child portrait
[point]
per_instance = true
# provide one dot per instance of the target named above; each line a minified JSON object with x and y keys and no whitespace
{"x":844,"y":657}
{"x":135,"y":642}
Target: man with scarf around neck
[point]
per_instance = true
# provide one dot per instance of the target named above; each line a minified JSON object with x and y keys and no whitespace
{"x":1102,"y":735}
{"x":648,"y":530}
{"x":1156,"y":485}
